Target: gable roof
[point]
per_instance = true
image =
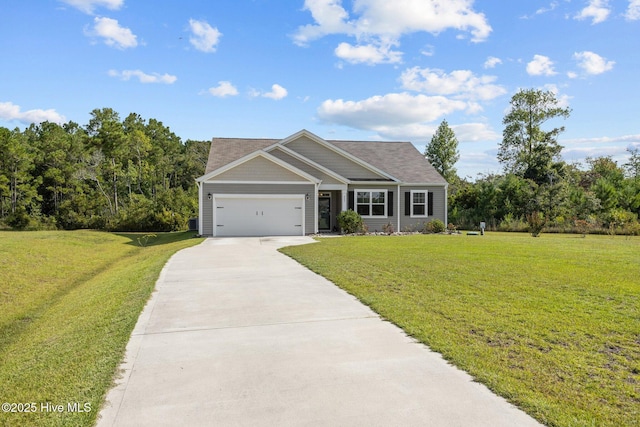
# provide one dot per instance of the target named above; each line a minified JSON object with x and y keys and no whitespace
{"x":259,"y":154}
{"x":398,"y":160}
{"x":227,"y":150}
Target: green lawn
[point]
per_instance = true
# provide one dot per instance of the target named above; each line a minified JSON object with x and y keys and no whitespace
{"x":550,"y":323}
{"x":68,"y":303}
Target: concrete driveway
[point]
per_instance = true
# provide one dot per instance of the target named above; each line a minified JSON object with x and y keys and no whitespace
{"x":238,"y":334}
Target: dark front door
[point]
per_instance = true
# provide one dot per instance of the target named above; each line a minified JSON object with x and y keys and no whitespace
{"x":324,"y":213}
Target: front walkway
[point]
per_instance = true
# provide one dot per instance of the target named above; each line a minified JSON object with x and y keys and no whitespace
{"x":239,"y":334}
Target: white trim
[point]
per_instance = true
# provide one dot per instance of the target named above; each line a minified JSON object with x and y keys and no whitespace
{"x":423,"y":184}
{"x":446,"y":206}
{"x":310,"y":162}
{"x":378,"y":183}
{"x":262,"y":182}
{"x":200,"y":207}
{"x":337,"y":150}
{"x":398,"y":216}
{"x":259,"y":196}
{"x":426,"y":204}
{"x":371,"y":190}
{"x":251,"y":156}
{"x":331,"y":187}
{"x":315,"y":210}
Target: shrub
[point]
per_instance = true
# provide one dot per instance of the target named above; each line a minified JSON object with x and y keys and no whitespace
{"x":436,"y":226}
{"x":350,"y":221}
{"x":536,"y":221}
{"x":19,"y":219}
{"x":388,"y":228}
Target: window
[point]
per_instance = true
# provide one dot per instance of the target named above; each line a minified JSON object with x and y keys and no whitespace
{"x":371,"y":203}
{"x":418,"y":203}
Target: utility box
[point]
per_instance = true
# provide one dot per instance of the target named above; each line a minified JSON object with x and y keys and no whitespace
{"x":193,"y":224}
{"x":483,"y":225}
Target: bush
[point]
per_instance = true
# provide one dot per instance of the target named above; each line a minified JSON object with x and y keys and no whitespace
{"x":436,"y":226}
{"x":350,"y":222}
{"x":388,"y":228}
{"x":536,"y":221}
{"x":18,"y":220}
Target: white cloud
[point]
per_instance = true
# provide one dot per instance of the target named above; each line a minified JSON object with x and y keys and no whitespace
{"x":144,"y":77}
{"x":592,"y":63}
{"x":10,"y":112}
{"x":597,"y":10}
{"x":475,"y":132}
{"x":224,"y":89}
{"x":540,"y":65}
{"x":205,"y":38}
{"x":380,"y":23}
{"x":491,"y":62}
{"x":368,"y":54}
{"x":113,"y":34}
{"x":277,"y":92}
{"x":633,"y":11}
{"x":605,"y":140}
{"x":428,"y":50}
{"x":541,"y":11}
{"x":462,"y":84}
{"x":391,"y":113}
{"x":88,"y":6}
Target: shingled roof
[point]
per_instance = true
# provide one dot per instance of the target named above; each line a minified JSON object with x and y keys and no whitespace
{"x":399,"y":159}
{"x":226,"y":150}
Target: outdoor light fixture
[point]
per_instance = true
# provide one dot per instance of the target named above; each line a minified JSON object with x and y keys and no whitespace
{"x":307,"y":196}
{"x":209,"y":196}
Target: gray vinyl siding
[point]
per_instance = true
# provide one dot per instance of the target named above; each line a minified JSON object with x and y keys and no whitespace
{"x":330,"y":159}
{"x":326,"y":179}
{"x":377,"y":224}
{"x":259,"y":169}
{"x":439,"y":208}
{"x":303,"y":189}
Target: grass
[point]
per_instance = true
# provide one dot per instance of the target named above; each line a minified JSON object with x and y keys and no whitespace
{"x":552,"y":324}
{"x":69,"y":301}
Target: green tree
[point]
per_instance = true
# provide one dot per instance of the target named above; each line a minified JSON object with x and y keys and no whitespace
{"x":633,"y":165}
{"x":442,"y":152}
{"x":526,"y":149}
{"x":18,"y":186}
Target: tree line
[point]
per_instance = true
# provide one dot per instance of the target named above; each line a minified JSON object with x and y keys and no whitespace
{"x":538,"y":190}
{"x":111,"y":174}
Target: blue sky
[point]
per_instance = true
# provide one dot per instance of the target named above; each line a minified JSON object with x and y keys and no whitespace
{"x":350,"y":69}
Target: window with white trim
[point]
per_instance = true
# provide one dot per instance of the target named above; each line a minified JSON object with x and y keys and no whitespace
{"x":371,"y":203}
{"x":419,"y":203}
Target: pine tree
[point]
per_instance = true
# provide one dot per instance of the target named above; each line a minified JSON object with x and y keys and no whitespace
{"x":442,"y":152}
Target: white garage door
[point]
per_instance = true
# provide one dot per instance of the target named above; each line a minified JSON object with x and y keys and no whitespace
{"x":258,"y":216}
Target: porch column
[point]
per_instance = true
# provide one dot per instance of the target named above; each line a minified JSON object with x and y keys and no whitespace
{"x":343,"y":198}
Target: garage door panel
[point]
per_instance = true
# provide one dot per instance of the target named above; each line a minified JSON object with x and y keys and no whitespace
{"x":258,"y":216}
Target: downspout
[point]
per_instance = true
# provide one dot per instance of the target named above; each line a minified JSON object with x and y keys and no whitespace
{"x":446,"y":205}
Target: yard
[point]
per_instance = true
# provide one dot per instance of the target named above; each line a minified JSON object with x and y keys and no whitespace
{"x":69,"y":301}
{"x":550,"y":323}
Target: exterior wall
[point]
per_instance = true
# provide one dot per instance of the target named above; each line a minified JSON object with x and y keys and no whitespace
{"x":310,"y":207}
{"x":439,"y":208}
{"x":330,"y":159}
{"x":259,"y":169}
{"x":377,"y":224}
{"x":326,"y":179}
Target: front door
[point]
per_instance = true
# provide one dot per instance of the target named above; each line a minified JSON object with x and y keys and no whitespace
{"x":324,"y":211}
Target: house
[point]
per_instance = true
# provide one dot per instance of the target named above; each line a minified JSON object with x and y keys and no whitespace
{"x":299,"y":185}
